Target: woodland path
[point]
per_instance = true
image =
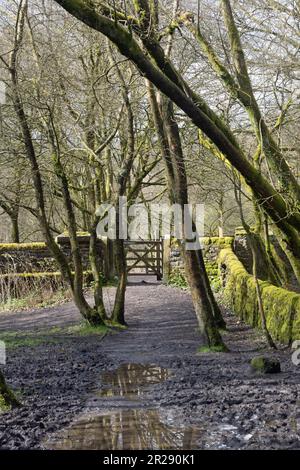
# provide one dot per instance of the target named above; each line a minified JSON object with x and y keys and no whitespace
{"x":195,"y":400}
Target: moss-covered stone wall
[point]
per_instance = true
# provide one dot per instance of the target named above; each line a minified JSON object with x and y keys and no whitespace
{"x":282,"y":307}
{"x":36,"y":258}
{"x":211,"y":247}
{"x":241,"y":247}
{"x":25,"y":257}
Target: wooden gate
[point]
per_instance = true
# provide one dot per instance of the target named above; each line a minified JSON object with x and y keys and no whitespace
{"x":144,"y":258}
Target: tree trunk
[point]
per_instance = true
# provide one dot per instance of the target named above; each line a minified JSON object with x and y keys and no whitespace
{"x":118,"y":315}
{"x":7,"y":398}
{"x":280,"y":267}
{"x":253,"y":241}
{"x":90,"y":314}
{"x":97,"y":274}
{"x":201,"y":301}
{"x":275,"y":158}
{"x":15,"y":232}
{"x":287,"y":246}
{"x":181,"y":197}
{"x":220,"y":322}
{"x":259,"y":297}
{"x":221,"y":216}
{"x":207,"y":311}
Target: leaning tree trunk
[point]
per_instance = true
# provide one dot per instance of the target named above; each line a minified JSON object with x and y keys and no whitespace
{"x":259,"y":299}
{"x":220,"y":322}
{"x":201,"y":302}
{"x":253,"y":242}
{"x":7,"y":398}
{"x":180,"y":192}
{"x":118,"y":315}
{"x":287,"y":243}
{"x":207,"y":311}
{"x":90,"y":314}
{"x":75,"y":282}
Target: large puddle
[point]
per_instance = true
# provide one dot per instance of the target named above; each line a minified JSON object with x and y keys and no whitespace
{"x":129,"y":425}
{"x":126,"y":430}
{"x":119,"y":417}
{"x":126,"y":427}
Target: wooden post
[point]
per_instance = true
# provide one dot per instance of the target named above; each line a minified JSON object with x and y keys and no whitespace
{"x":108,"y":262}
{"x":158,"y":261}
{"x":166,"y":253}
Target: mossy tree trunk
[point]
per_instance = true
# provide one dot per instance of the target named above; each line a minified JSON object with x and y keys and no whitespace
{"x":264,"y":262}
{"x":201,"y":302}
{"x":97,"y":272}
{"x":288,"y":243}
{"x":75,"y":282}
{"x":13,"y":214}
{"x":276,"y":160}
{"x":256,"y":250}
{"x":240,"y":87}
{"x":7,"y":398}
{"x":91,"y":314}
{"x":207,"y":311}
{"x":118,"y":314}
{"x":197,"y":277}
{"x":259,"y":297}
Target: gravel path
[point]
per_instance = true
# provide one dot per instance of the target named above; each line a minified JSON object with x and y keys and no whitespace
{"x":58,"y":377}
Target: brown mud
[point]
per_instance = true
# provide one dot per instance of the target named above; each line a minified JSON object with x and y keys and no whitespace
{"x":145,"y":387}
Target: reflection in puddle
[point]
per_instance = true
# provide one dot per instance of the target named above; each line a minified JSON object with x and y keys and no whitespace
{"x":130,"y":379}
{"x":126,"y":430}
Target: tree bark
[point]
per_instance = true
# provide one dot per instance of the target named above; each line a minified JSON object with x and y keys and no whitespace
{"x":207,"y":311}
{"x":118,"y":315}
{"x":90,"y":314}
{"x":97,"y":273}
{"x":75,"y":282}
{"x":15,"y":232}
{"x":7,"y":398}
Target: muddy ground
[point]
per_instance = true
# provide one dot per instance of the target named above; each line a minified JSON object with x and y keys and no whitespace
{"x":200,"y":401}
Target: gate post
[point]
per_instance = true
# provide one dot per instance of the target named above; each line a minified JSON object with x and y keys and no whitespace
{"x":109,"y":265}
{"x":159,"y":254}
{"x":166,"y":243}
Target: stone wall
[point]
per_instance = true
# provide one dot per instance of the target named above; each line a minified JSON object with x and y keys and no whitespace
{"x":281,"y":306}
{"x":26,"y":257}
{"x":84,"y":242}
{"x":211,"y":247}
{"x":241,"y":248}
{"x":35,"y":257}
{"x":173,"y":262}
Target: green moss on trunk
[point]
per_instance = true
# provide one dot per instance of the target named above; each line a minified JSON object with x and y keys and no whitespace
{"x":7,"y":398}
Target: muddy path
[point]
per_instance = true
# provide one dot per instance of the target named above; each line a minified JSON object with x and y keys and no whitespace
{"x":145,"y":387}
